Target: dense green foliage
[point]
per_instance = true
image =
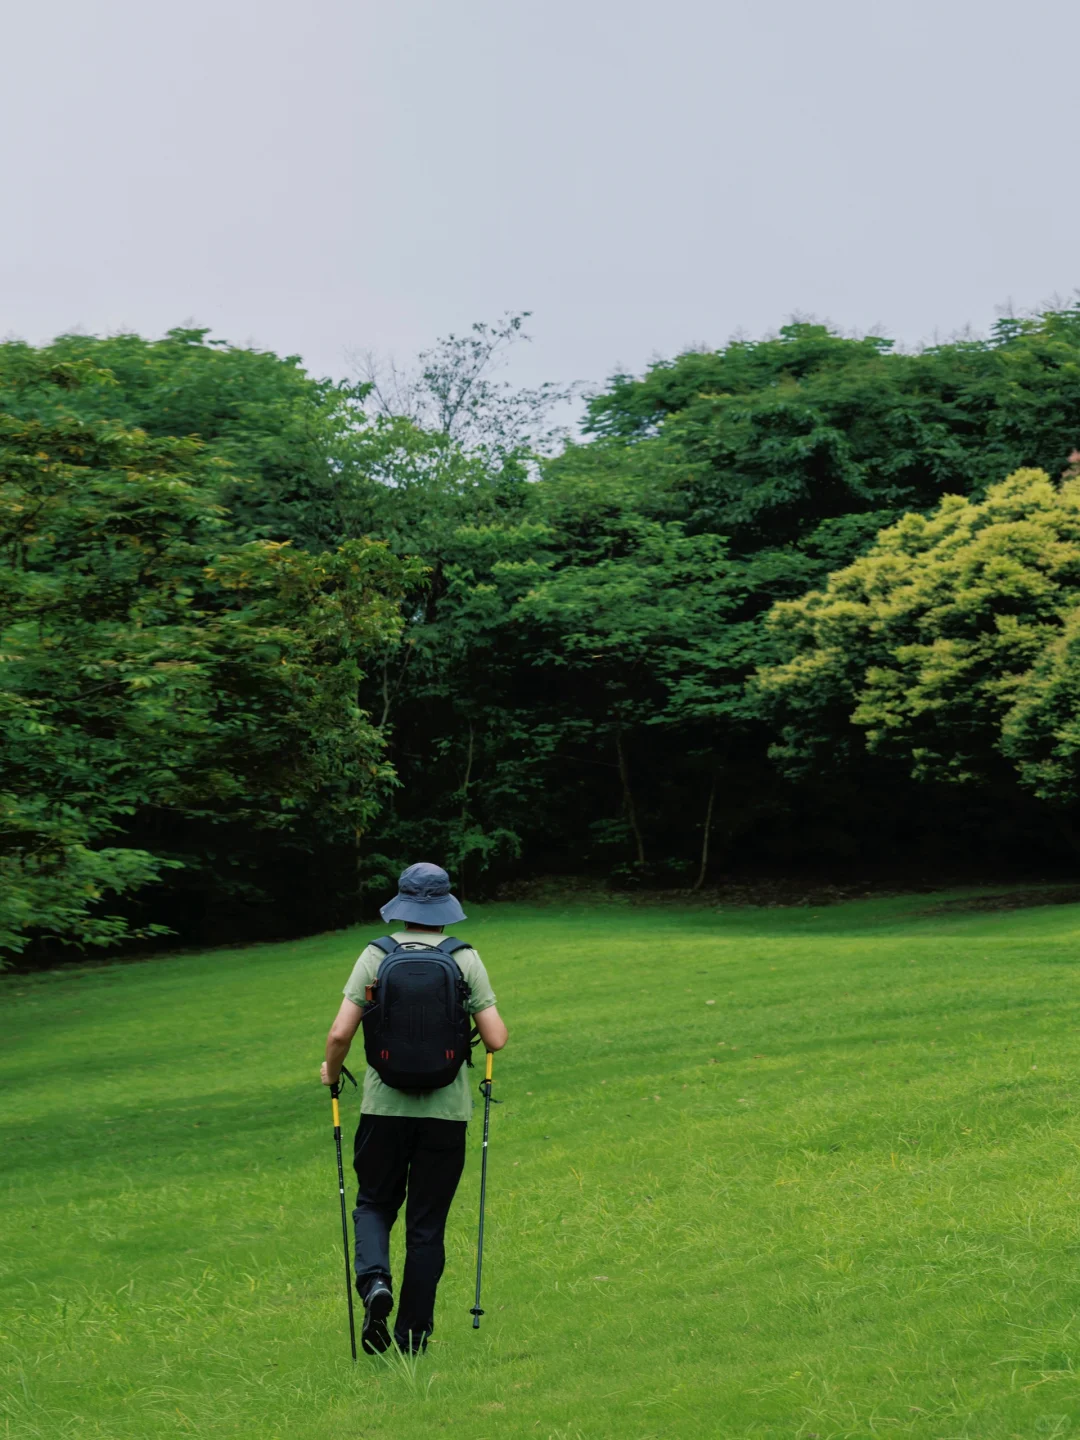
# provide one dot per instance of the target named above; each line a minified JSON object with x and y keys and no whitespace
{"x":283,"y":440}
{"x":179,"y":702}
{"x":839,"y":1201}
{"x":279,"y":635}
{"x":585,"y":648}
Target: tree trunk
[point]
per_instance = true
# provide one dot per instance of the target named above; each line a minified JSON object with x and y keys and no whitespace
{"x":385,"y":694}
{"x":705,"y":837}
{"x":469,"y":754}
{"x":628,"y":798}
{"x":468,"y":774}
{"x":390,"y":694}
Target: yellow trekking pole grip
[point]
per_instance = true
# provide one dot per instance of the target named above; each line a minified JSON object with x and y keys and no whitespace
{"x":487,"y":1068}
{"x":337,"y":1113}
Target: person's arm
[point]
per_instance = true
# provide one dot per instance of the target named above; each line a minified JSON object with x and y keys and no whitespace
{"x":345,"y":1026}
{"x":490,"y":1025}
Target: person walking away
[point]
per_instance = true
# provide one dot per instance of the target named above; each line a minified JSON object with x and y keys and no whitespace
{"x":410,"y":1143}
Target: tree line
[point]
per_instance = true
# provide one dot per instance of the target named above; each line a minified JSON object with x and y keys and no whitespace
{"x":800,"y":603}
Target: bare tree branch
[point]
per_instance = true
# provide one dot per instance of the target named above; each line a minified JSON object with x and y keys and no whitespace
{"x":452,"y":389}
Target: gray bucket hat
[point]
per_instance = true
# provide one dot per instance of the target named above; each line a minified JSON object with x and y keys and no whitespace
{"x":424,"y":898}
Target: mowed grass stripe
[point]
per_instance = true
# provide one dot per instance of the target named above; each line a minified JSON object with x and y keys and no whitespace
{"x":839,"y":1199}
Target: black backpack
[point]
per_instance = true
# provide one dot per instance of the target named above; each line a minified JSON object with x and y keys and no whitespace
{"x":416,"y":1018}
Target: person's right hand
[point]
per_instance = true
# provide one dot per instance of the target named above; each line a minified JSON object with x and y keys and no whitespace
{"x":324,"y":1075}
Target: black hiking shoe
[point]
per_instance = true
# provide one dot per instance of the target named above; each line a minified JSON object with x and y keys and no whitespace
{"x":375,"y":1337}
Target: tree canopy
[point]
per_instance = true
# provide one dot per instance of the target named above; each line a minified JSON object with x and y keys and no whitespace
{"x":266,"y":637}
{"x":171,"y":692}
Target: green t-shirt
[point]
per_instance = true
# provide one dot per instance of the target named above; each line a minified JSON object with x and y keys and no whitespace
{"x":453,"y":1101}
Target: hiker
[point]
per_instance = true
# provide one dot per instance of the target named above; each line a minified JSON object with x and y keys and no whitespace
{"x":410,"y":1143}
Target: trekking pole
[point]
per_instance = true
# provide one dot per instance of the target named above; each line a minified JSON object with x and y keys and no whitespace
{"x":485,"y":1086}
{"x":335,"y":1091}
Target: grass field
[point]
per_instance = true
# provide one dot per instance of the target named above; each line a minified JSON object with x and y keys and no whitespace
{"x":757,"y":1173}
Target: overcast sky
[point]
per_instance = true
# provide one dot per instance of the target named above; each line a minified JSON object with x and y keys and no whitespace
{"x":324,"y":175}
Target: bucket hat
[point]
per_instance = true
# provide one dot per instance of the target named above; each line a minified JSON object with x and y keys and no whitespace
{"x":424,"y":897}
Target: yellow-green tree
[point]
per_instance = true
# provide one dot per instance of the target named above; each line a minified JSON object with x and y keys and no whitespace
{"x":954,"y":643}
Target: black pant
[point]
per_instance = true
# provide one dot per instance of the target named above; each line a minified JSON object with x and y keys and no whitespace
{"x":394,"y":1154}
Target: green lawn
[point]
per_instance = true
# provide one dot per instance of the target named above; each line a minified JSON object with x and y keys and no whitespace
{"x":757,"y":1173}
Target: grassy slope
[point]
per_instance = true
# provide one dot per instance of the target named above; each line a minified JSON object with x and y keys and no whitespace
{"x":840,"y":1200}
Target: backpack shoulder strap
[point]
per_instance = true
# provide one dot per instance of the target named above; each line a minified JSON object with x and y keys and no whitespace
{"x":385,"y":943}
{"x":452,"y":944}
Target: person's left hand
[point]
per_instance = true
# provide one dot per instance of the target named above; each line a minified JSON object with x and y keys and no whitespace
{"x":324,"y":1075}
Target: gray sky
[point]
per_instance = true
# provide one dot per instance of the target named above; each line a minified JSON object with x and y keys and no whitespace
{"x":325,"y":175}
